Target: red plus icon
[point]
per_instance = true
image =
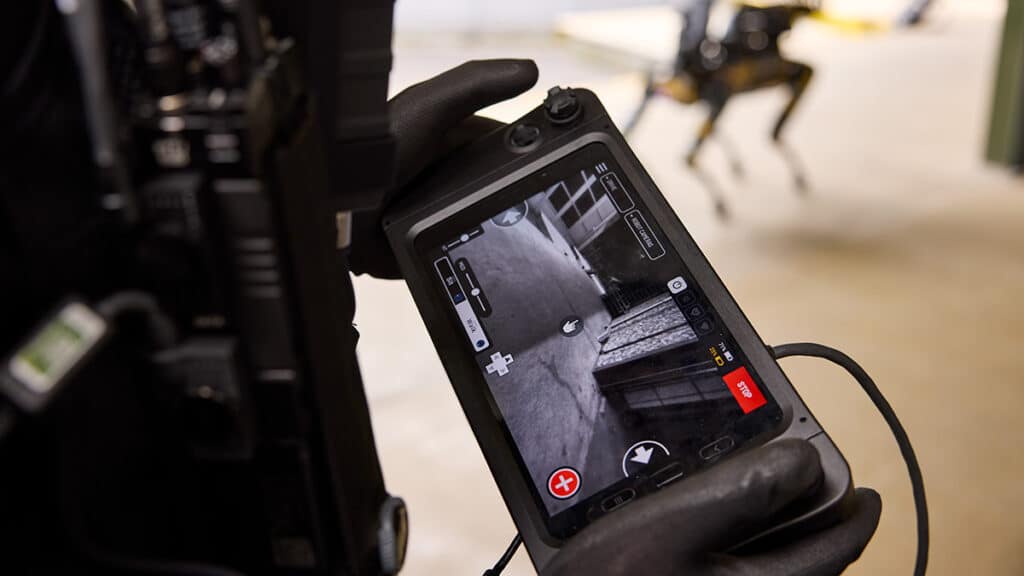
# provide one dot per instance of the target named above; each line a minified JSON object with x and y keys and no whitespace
{"x":564,"y":483}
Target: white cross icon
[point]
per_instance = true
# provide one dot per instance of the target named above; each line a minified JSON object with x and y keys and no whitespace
{"x":499,"y":363}
{"x":564,"y":483}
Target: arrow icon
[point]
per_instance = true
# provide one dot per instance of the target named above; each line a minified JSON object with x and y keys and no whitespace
{"x":642,"y":455}
{"x":511,"y":216}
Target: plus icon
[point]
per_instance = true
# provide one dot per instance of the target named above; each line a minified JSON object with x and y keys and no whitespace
{"x":499,"y":363}
{"x":564,"y":483}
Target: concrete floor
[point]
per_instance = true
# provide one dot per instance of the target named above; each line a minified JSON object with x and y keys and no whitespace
{"x":907,"y":254}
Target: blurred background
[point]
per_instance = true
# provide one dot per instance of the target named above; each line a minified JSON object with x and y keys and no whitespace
{"x":906,"y":252}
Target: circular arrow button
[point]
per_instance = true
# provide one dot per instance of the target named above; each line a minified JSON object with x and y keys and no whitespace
{"x":643,"y":454}
{"x":512,"y":216}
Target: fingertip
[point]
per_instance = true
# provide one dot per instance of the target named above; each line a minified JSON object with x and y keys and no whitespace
{"x":422,"y":114}
{"x":520,"y":67}
{"x":869,"y":507}
{"x":526,"y":70}
{"x":507,"y":76}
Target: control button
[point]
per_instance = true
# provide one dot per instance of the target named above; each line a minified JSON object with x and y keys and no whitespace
{"x":704,"y":326}
{"x":499,"y":363}
{"x":644,"y":235}
{"x":667,"y":475}
{"x":676,"y":285}
{"x":571,"y":326}
{"x":512,"y":216}
{"x":686,"y":298}
{"x":612,"y":185}
{"x":524,"y":136}
{"x":641,"y":455}
{"x":464,"y":237}
{"x":564,"y":483}
{"x":561,"y":105}
{"x":618,"y":499}
{"x":694,"y":311}
{"x":717,"y":448}
{"x":744,"y":390}
{"x":477,"y":298}
{"x":466,"y":312}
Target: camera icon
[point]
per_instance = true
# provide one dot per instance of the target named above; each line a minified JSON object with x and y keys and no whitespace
{"x":676,"y":285}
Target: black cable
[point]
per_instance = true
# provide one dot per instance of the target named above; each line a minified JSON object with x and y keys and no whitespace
{"x":161,"y":327}
{"x":902,"y":440}
{"x":506,"y":557}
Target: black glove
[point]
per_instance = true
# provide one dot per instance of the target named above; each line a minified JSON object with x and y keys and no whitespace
{"x":429,"y":121}
{"x":687,"y":528}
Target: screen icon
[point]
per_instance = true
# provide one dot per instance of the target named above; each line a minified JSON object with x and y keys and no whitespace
{"x":571,"y":326}
{"x":512,"y":216}
{"x":676,"y":285}
{"x":464,"y":310}
{"x":499,"y":363}
{"x":477,"y":298}
{"x":618,"y":194}
{"x":644,"y":235}
{"x":704,"y":326}
{"x":641,"y":455}
{"x":744,"y":390}
{"x":716,"y":448}
{"x":564,"y":483}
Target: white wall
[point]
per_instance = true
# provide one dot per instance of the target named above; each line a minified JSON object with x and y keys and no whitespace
{"x":494,"y":14}
{"x":538,"y":15}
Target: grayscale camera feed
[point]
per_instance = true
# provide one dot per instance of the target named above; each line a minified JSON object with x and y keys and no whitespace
{"x":569,"y":300}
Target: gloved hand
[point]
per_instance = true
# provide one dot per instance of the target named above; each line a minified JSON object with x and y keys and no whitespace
{"x":687,"y":528}
{"x":429,"y":121}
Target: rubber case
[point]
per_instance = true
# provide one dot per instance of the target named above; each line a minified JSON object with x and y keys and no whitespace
{"x":485,"y":169}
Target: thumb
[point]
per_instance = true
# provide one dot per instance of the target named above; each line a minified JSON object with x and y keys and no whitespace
{"x":740,"y":497}
{"x":823,"y":553}
{"x":424,"y":112}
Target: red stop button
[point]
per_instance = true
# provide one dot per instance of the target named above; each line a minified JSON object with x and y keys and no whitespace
{"x":744,"y":390}
{"x":564,"y":483}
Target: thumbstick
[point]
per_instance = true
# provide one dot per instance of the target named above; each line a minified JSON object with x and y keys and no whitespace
{"x":562,"y":106}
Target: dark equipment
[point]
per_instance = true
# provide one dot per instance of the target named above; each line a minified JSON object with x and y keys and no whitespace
{"x":219,"y":426}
